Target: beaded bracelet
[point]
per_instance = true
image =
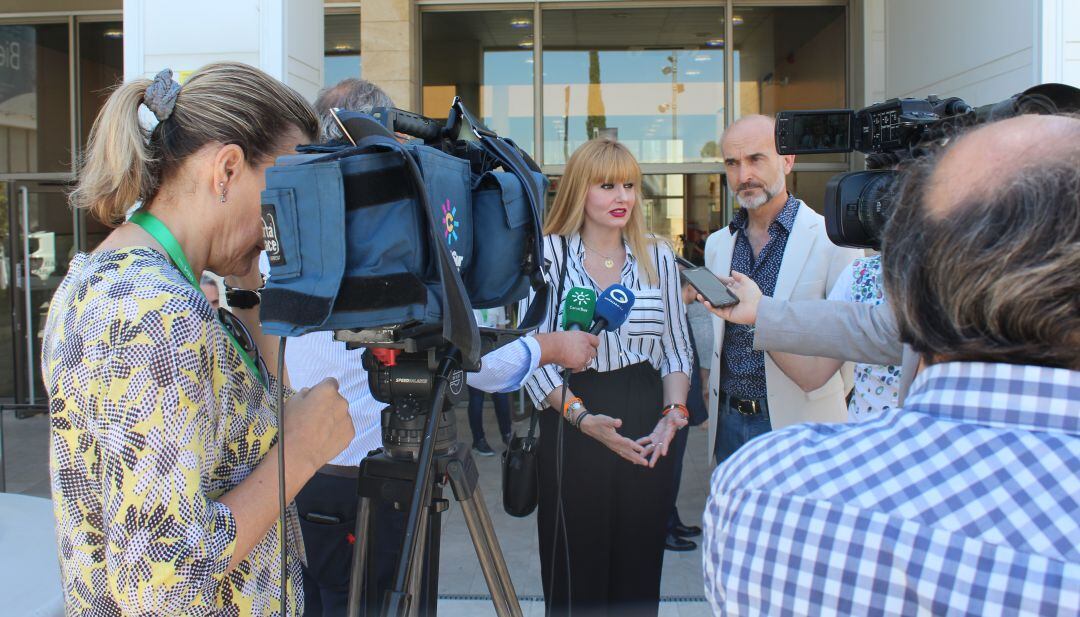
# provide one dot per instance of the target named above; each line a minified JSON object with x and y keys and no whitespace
{"x":567,"y":404}
{"x":676,"y":406}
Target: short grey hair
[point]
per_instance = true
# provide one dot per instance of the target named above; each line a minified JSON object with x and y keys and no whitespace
{"x":995,"y":278}
{"x":349,"y":94}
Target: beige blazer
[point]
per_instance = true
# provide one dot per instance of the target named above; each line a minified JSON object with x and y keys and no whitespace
{"x":810,"y":267}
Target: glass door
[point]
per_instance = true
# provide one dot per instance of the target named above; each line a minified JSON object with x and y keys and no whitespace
{"x":43,"y":237}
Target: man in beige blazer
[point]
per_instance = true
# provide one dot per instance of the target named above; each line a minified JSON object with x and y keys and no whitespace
{"x":781,"y":243}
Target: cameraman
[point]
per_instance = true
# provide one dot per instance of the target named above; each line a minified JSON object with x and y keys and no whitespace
{"x":964,"y":500}
{"x":327,"y":505}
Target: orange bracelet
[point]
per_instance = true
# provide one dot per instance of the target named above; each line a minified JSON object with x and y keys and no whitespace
{"x":567,"y":404}
{"x":678,"y":406}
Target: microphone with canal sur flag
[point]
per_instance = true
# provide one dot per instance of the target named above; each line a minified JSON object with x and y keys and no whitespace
{"x":612,"y":308}
{"x":578,"y":309}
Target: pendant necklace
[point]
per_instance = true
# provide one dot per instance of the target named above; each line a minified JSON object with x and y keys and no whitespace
{"x":609,"y":262}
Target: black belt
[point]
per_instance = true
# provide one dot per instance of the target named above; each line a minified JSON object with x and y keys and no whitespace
{"x":745,"y":406}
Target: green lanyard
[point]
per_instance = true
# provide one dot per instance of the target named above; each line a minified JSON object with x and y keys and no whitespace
{"x":153,"y":226}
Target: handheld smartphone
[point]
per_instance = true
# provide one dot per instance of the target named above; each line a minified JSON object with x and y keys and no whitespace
{"x":710,"y":287}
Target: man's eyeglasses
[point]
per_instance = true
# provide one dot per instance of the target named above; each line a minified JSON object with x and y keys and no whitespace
{"x":239,"y":332}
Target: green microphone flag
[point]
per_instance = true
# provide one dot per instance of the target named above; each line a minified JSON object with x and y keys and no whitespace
{"x":578,"y":309}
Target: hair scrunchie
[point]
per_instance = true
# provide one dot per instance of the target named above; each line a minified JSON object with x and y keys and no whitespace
{"x":160,"y":96}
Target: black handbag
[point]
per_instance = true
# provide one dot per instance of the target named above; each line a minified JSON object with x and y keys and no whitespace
{"x":520,"y":475}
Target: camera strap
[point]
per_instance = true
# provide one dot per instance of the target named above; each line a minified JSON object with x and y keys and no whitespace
{"x":513,"y":161}
{"x":158,"y":231}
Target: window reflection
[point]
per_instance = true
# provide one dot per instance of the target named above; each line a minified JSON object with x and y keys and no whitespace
{"x":7,"y":333}
{"x":35,"y":109}
{"x":809,"y":186}
{"x":101,"y":66}
{"x":486,"y":58}
{"x":341,"y":52}
{"x":790,"y":58}
{"x":652,"y":78}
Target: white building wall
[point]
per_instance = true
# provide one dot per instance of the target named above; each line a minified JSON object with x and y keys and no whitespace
{"x":980,"y":50}
{"x":282,"y":37}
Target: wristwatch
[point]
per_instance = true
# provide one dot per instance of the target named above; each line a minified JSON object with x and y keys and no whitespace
{"x":242,"y":298}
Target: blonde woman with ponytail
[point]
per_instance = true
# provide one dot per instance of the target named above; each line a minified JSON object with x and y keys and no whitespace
{"x":605,"y":493}
{"x":163,"y":447}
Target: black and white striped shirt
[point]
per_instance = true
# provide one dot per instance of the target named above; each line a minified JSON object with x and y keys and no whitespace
{"x":655,"y":332}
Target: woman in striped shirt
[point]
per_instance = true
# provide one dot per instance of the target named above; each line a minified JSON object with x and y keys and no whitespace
{"x":623,"y":409}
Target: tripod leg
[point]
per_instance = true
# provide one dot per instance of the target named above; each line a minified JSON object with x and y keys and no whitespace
{"x":359,"y":557}
{"x":416,"y":572}
{"x":493,"y":541}
{"x":489,"y":554}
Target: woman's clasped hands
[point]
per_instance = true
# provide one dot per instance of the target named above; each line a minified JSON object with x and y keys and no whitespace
{"x":645,"y":451}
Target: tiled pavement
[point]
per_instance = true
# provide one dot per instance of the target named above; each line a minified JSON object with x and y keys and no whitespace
{"x":462,"y":589}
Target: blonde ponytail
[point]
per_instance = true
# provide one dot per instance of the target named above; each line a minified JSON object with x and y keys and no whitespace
{"x":116,"y":169}
{"x":225,"y":103}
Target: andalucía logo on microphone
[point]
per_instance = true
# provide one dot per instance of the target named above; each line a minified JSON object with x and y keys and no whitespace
{"x":580,"y":298}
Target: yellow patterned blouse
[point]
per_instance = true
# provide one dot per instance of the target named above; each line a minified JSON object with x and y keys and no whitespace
{"x":154,"y":416}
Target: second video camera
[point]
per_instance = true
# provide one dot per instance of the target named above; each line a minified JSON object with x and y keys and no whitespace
{"x":857,"y":204}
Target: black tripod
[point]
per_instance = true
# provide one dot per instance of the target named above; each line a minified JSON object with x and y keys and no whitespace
{"x":420,"y":454}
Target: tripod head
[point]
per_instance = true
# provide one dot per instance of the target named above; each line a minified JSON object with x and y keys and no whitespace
{"x":406,"y":383}
{"x":404,"y":371}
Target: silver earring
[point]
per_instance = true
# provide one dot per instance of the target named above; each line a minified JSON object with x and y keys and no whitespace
{"x":222,"y":185}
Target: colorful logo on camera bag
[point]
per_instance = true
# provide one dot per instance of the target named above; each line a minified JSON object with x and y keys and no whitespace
{"x":451,"y":225}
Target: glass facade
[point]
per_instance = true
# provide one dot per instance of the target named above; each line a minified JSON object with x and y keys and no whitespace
{"x":341,"y":52}
{"x":652,"y":78}
{"x":486,"y":58}
{"x":39,"y":233}
{"x":7,"y":333}
{"x":790,"y":58}
{"x":35,"y":101}
{"x":101,"y":66}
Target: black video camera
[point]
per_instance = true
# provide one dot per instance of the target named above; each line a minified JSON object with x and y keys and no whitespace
{"x":858,"y":204}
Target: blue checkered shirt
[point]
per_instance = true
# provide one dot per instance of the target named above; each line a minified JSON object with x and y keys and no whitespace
{"x":964,"y":502}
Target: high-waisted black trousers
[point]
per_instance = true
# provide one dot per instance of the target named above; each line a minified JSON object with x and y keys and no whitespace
{"x":615,"y":512}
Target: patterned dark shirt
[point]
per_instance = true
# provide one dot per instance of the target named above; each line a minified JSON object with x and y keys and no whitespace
{"x":742,"y":369}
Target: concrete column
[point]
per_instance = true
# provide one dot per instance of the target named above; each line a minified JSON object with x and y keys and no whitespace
{"x":388,"y":39}
{"x":282,"y":37}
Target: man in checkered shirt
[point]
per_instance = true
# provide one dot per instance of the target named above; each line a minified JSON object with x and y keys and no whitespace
{"x":967,"y":500}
